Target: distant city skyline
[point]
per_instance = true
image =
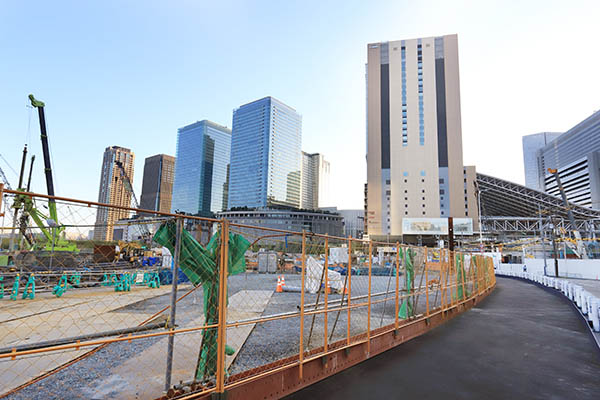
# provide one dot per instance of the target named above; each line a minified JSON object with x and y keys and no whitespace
{"x":111,"y":77}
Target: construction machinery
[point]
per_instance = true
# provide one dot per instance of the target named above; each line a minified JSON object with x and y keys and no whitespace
{"x":581,"y":250}
{"x":48,"y":225}
{"x":145,"y":232}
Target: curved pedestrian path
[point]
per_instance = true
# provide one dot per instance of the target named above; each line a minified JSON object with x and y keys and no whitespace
{"x":521,"y":342}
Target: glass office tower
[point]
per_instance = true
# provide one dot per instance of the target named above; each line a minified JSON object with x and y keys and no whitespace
{"x":201,"y":168}
{"x":265,"y":155}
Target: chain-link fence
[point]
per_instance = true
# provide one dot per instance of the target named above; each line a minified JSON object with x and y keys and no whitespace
{"x":138,"y":304}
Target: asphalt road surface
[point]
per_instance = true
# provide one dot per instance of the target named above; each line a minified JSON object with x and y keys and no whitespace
{"x":521,"y":342}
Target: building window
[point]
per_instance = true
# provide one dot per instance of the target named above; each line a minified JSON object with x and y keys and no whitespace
{"x":406,"y":199}
{"x":387,"y":182}
{"x":422,"y":173}
{"x":423,"y":212}
{"x":405,"y":181}
{"x":405,"y":212}
{"x":404,"y":107}
{"x":406,"y":205}
{"x":442,"y":191}
{"x":441,"y":181}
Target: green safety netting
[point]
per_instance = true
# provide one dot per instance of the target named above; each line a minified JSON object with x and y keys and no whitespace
{"x":200,"y":265}
{"x":406,"y":308}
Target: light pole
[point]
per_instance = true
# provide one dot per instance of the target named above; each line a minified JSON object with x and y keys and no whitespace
{"x":478,"y":194}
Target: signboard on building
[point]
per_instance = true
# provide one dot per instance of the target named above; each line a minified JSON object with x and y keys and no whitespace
{"x":436,"y":226}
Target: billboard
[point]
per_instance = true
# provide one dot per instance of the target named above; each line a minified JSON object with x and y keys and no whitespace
{"x":436,"y":226}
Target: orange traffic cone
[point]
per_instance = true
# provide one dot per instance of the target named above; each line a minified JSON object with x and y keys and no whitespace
{"x":282,"y":281}
{"x":279,"y":288}
{"x":345,"y":290}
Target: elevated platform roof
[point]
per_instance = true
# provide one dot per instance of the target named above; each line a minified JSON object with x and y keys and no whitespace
{"x":501,"y":198}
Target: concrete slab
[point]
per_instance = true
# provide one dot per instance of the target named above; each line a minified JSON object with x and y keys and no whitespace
{"x":143,"y":377}
{"x":78,"y":312}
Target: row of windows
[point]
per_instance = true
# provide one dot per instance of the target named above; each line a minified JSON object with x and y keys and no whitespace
{"x":404,"y":107}
{"x":421,"y":107}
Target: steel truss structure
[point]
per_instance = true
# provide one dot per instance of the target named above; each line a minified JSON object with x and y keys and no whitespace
{"x":507,"y":207}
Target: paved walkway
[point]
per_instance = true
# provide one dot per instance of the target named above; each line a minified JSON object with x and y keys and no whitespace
{"x":520,"y":342}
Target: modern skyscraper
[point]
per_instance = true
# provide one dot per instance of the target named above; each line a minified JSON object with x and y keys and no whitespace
{"x":531,"y":144}
{"x":414,"y":140}
{"x":201,"y":168}
{"x":576,"y":156}
{"x":113,"y":190}
{"x":315,"y":181}
{"x":265,"y":155}
{"x":157,"y":185}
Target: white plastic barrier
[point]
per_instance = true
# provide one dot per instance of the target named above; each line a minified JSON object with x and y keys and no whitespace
{"x":589,"y":304}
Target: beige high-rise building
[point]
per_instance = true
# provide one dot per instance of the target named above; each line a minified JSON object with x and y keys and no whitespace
{"x":113,"y":190}
{"x":314,"y":181}
{"x":414,"y":141}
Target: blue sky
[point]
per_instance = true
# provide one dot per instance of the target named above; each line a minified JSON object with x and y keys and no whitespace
{"x":129,"y":73}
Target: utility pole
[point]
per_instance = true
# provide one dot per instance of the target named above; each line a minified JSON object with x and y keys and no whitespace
{"x":555,"y":249}
{"x":543,"y":235}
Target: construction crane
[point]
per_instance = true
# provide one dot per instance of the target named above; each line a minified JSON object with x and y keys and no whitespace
{"x":580,"y":246}
{"x":127,"y":183}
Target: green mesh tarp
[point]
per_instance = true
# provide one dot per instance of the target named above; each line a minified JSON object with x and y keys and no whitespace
{"x":200,"y":265}
{"x":406,"y":308}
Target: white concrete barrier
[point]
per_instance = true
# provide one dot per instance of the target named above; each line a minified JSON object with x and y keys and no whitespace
{"x":589,"y":304}
{"x":595,"y":304}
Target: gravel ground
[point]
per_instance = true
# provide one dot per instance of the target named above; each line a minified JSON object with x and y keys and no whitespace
{"x":268,"y":342}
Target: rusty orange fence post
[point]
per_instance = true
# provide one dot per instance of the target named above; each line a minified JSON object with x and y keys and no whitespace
{"x":349,"y":275}
{"x":222,"y":330}
{"x":397,"y":285}
{"x":326,"y":292}
{"x":303,"y":274}
{"x":1,"y":196}
{"x":369,"y":298}
{"x":442,"y":283}
{"x":426,"y":283}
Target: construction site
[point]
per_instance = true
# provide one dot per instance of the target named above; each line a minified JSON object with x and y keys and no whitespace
{"x":180,"y":306}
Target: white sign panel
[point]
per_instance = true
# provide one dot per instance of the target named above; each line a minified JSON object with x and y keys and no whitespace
{"x":436,"y":226}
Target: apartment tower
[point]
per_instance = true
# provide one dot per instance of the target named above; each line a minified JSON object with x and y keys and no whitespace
{"x":113,"y":190}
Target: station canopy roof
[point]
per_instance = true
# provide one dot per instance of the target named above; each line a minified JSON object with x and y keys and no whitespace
{"x":501,"y":198}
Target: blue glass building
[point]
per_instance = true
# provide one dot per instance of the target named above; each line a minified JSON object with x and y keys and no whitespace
{"x":201,"y":168}
{"x":265,"y":155}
